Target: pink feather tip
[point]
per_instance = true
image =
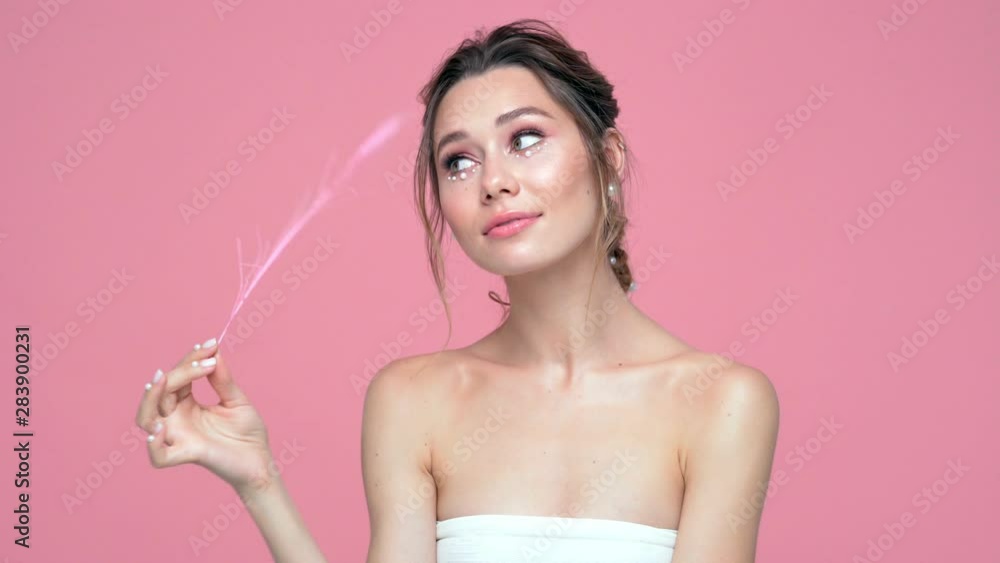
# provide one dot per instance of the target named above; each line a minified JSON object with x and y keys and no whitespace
{"x":324,"y":194}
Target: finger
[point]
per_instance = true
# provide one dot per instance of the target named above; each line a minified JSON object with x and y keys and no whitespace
{"x":174,"y":395}
{"x":167,"y":404}
{"x":198,"y":352}
{"x":148,"y":406}
{"x":183,"y":375}
{"x":162,"y":454}
{"x":178,"y":381}
{"x":224,"y":384}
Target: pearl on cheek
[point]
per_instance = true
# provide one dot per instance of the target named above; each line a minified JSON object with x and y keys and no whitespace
{"x":460,"y":176}
{"x":532,"y":150}
{"x":528,"y":153}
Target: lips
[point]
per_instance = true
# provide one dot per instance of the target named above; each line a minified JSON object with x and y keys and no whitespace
{"x":503,"y":218}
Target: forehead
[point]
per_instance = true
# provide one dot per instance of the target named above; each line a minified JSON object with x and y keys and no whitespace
{"x":475,"y":102}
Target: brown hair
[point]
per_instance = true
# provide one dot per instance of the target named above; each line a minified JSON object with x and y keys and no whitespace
{"x":574,"y":83}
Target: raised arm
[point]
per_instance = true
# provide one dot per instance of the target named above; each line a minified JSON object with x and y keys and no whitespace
{"x":395,"y":463}
{"x":729,"y":453}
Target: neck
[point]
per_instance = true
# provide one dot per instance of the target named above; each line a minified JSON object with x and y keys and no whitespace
{"x":552,"y":324}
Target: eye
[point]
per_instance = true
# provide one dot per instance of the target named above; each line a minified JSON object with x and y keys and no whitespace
{"x":451,"y":160}
{"x":526,"y":133}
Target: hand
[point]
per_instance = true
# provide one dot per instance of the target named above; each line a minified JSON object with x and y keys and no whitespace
{"x":229,"y":438}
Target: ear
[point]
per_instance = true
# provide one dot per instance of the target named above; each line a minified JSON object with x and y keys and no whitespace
{"x":614,"y":146}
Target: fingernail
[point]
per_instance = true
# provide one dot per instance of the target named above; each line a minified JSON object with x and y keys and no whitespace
{"x":156,"y":430}
{"x":207,"y":362}
{"x":209,"y":343}
{"x":159,"y":374}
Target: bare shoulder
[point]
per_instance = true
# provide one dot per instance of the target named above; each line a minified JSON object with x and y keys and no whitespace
{"x":726,"y":452}
{"x":413,"y":381}
{"x":704,"y":379}
{"x":396,"y":462}
{"x":724,"y":399}
{"x":396,"y":410}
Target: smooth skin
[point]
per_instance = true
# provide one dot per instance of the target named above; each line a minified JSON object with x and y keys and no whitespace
{"x":526,"y":420}
{"x":230,"y":440}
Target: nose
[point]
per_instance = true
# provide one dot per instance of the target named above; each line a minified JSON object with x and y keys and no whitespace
{"x":497,"y":180}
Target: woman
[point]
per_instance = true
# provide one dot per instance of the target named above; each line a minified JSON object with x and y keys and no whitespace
{"x":578,"y":429}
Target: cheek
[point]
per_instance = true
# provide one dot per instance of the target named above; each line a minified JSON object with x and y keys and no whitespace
{"x":456,"y":210}
{"x":560,"y":178}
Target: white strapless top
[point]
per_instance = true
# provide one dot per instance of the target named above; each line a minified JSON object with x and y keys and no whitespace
{"x":502,"y":538}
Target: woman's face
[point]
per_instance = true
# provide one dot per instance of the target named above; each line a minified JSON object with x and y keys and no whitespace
{"x":508,"y":146}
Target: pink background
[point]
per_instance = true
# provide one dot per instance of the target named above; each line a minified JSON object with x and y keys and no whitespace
{"x":63,"y":238}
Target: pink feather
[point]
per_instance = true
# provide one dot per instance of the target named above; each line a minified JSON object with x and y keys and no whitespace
{"x":325,"y":192}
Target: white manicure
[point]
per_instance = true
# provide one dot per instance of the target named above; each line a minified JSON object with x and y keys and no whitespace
{"x":209,"y":343}
{"x":156,"y":429}
{"x":208,"y":362}
{"x":159,"y":374}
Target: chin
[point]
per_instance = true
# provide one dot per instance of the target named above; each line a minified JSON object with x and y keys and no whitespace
{"x":513,"y":262}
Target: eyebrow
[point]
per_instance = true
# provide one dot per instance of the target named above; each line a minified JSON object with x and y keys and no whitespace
{"x":500,"y":121}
